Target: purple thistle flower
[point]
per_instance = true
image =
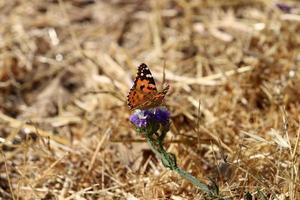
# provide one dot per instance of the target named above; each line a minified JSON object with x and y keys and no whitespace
{"x":144,"y":118}
{"x":162,"y":115}
{"x":141,"y":118}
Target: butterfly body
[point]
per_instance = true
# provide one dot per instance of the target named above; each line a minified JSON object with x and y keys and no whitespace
{"x":144,"y":94}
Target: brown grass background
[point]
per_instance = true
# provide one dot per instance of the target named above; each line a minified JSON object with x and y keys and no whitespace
{"x":66,"y":67}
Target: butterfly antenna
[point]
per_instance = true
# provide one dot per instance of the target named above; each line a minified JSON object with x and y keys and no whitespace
{"x":164,"y":74}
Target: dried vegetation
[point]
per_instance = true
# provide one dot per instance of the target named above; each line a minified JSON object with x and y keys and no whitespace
{"x":66,"y":67}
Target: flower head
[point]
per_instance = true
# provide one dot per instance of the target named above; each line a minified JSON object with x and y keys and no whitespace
{"x":141,"y":118}
{"x":162,"y":115}
{"x":151,"y":118}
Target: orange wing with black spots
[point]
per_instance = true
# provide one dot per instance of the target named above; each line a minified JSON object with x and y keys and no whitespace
{"x":144,"y":94}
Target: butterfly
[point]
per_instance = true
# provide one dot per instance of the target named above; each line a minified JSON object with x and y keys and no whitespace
{"x":144,"y":94}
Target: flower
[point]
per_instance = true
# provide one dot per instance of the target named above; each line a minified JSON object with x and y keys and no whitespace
{"x":162,"y":115}
{"x":151,"y":117}
{"x":141,"y":118}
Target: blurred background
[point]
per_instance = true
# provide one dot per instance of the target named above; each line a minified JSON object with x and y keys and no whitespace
{"x":66,"y":67}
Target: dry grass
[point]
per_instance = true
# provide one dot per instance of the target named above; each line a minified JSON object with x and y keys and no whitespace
{"x":66,"y":67}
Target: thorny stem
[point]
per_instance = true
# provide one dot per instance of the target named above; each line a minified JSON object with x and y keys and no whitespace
{"x":169,"y":161}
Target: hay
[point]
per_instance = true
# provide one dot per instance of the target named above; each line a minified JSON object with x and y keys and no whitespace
{"x":66,"y":67}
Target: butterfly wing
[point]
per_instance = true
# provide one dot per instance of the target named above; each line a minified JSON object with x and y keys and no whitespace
{"x":143,"y":93}
{"x":144,"y":85}
{"x":144,"y":81}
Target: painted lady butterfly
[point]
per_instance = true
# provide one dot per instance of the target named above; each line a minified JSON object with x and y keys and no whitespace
{"x":143,"y":94}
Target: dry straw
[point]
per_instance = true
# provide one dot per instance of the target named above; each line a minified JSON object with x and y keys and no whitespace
{"x":66,"y":67}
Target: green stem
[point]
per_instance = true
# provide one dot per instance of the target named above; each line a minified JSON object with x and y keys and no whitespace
{"x":202,"y":186}
{"x":169,"y":161}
